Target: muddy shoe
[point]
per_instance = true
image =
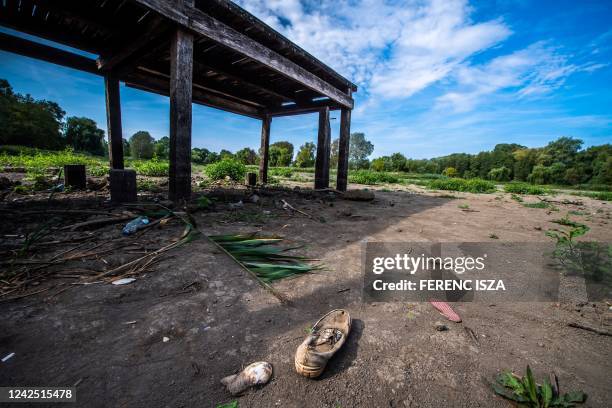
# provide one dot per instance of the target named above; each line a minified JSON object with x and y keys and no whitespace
{"x":326,"y":338}
{"x":253,"y":374}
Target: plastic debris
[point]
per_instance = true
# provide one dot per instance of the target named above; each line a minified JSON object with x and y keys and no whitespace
{"x":236,"y":206}
{"x":166,"y":339}
{"x":8,"y":357}
{"x":253,"y":374}
{"x":134,"y":225}
{"x":446,"y":311}
{"x":254,"y":198}
{"x":123,"y":281}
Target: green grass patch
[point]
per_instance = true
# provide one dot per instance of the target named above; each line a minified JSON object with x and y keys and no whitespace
{"x":539,"y":204}
{"x":456,"y":184}
{"x":524,"y":188}
{"x":372,"y":177}
{"x":285,"y":172}
{"x":597,"y":195}
{"x":151,"y":168}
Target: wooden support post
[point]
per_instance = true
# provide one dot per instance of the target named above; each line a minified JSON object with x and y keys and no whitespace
{"x":265,"y":149}
{"x":250,"y":179}
{"x":113,"y":122}
{"x":323,"y":145}
{"x":74,"y":176}
{"x":181,"y":82}
{"x":123,"y":186}
{"x":343,"y":149}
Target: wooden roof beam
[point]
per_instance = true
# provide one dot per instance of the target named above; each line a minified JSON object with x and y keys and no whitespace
{"x":43,"y":52}
{"x":209,"y":27}
{"x":152,"y":32}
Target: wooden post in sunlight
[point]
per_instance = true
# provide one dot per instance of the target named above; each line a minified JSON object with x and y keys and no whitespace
{"x":343,"y":149}
{"x":323,"y":146}
{"x":113,"y":122}
{"x":181,"y":82}
{"x":264,"y":151}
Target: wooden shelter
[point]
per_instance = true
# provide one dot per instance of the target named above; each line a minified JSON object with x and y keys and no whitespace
{"x":210,"y":52}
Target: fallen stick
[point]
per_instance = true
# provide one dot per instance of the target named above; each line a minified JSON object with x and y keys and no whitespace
{"x":286,"y":205}
{"x":589,"y":328}
{"x":111,"y":220}
{"x":66,"y":212}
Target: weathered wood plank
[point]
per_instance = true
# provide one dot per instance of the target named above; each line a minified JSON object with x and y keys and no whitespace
{"x":181,"y":74}
{"x":343,"y":149}
{"x":113,"y":121}
{"x":160,"y":85}
{"x":323,"y":147}
{"x":207,"y":26}
{"x":265,"y":149}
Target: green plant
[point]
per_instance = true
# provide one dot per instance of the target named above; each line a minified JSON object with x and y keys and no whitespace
{"x":456,"y":184}
{"x":464,"y":206}
{"x":226,"y":168}
{"x":539,"y":204}
{"x":151,"y":168}
{"x":281,"y":171}
{"x":516,"y":198}
{"x":233,"y":404}
{"x":524,"y":188}
{"x":597,"y":195}
{"x":527,"y":392}
{"x":371,"y":177}
{"x":204,"y":203}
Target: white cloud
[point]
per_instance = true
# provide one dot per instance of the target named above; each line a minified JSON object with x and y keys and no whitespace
{"x":393,"y":49}
{"x":534,"y":71}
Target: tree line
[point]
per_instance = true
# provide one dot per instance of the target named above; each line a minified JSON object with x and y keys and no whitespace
{"x":562,"y":161}
{"x":29,"y":122}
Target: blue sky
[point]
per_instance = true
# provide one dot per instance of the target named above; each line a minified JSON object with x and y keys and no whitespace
{"x":434,"y":76}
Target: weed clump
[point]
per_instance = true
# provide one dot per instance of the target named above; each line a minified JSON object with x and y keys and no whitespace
{"x":474,"y":185}
{"x":524,"y":188}
{"x":226,"y":168}
{"x":372,"y":177}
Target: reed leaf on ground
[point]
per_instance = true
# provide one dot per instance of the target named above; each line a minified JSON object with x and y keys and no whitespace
{"x":268,"y":263}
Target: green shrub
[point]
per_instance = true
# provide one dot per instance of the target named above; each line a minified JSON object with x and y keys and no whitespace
{"x":524,"y":188}
{"x":152,"y":168}
{"x":226,"y":168}
{"x":456,"y":184}
{"x":371,"y":177}
{"x":539,"y":204}
{"x":281,"y":171}
{"x":450,"y":172}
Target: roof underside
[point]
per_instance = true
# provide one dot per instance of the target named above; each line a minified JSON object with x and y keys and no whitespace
{"x":132,"y":39}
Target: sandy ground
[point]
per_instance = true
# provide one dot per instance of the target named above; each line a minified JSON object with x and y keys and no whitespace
{"x":109,"y":339}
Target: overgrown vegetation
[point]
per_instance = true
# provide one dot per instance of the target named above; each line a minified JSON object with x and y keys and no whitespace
{"x":371,"y":177}
{"x":226,"y":168}
{"x":457,"y":184}
{"x":524,"y":188}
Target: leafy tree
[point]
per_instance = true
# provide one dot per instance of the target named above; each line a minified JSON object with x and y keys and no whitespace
{"x":500,"y":174}
{"x":29,"y":122}
{"x":142,"y":145}
{"x":126,"y":147}
{"x":203,"y":156}
{"x":162,"y":148}
{"x":398,"y":162}
{"x":333,"y":156}
{"x":450,"y":172}
{"x":84,"y":135}
{"x":382,"y":164}
{"x":285,"y":145}
{"x":247,"y":156}
{"x":306,"y":155}
{"x":359,"y":150}
{"x":225,"y":155}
